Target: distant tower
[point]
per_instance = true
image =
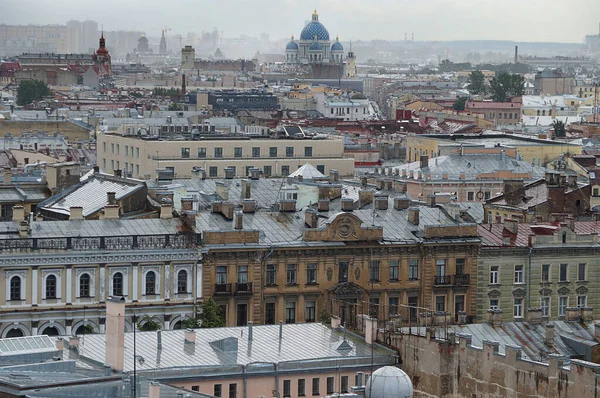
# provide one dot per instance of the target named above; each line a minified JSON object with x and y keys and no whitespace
{"x":350,"y":63}
{"x":188,"y":54}
{"x":162,"y":48}
{"x":102,"y":58}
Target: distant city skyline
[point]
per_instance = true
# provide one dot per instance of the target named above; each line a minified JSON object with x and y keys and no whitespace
{"x":434,"y":20}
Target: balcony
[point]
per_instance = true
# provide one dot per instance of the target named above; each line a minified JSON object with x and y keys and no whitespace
{"x":442,"y":280}
{"x":243,"y":288}
{"x":462,"y":280}
{"x":223,"y":289}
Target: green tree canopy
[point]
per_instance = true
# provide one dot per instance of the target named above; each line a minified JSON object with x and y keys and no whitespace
{"x":446,"y":65}
{"x":477,"y":83}
{"x":148,"y":324}
{"x":30,"y":91}
{"x":560,"y":130}
{"x":504,"y":86}
{"x":174,"y":106}
{"x":211,"y":315}
{"x":459,"y":104}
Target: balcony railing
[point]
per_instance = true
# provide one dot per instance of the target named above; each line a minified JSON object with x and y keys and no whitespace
{"x":243,"y":288}
{"x":452,"y":280}
{"x":223,"y":288}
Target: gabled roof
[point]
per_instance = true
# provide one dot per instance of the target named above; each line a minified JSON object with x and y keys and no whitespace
{"x":308,"y":172}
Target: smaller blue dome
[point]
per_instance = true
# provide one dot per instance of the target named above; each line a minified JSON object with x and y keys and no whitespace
{"x":292,"y":46}
{"x":337,"y":46}
{"x":315,"y":46}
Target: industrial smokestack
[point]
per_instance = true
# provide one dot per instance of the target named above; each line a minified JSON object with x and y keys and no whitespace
{"x":516,"y":54}
{"x":183,"y":84}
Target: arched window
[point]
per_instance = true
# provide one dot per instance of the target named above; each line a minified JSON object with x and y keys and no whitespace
{"x":117,"y":288}
{"x":84,"y":285}
{"x":15,"y":332}
{"x":182,"y":281}
{"x":150,"y":282}
{"x":51,"y":331}
{"x":51,"y":287}
{"x":15,"y":288}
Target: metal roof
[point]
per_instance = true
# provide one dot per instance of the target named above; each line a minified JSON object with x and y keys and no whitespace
{"x":26,"y":345}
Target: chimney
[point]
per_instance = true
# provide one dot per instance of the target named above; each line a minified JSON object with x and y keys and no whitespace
{"x":516,"y":54}
{"x":370,"y":330}
{"x":250,"y":323}
{"x":227,"y":210}
{"x":60,"y":344}
{"x":347,"y":204}
{"x":423,"y":161}
{"x":287,"y":205}
{"x":96,"y":169}
{"x":534,"y":316}
{"x":73,"y":341}
{"x":311,"y":218}
{"x":107,"y":369}
{"x":18,"y":213}
{"x":549,"y":335}
{"x":511,"y":225}
{"x":189,"y":219}
{"x":365,"y":197}
{"x":248,"y":206}
{"x":76,"y":213}
{"x":571,"y":223}
{"x":110,"y":212}
{"x":246,"y":189}
{"x":334,"y":175}
{"x":229,"y":173}
{"x":389,"y":185}
{"x":573,"y":314}
{"x":381,"y":202}
{"x":7,"y":175}
{"x":513,"y":189}
{"x":222,"y":190}
{"x":154,"y":389}
{"x":166,"y":209}
{"x":238,"y":220}
{"x":380,"y":183}
{"x":323,"y":204}
{"x":23,"y":229}
{"x":403,"y":173}
{"x":572,"y":180}
{"x":413,"y":215}
{"x":115,"y":333}
{"x":118,"y":173}
{"x":187,"y":204}
{"x":359,"y":379}
{"x":111,"y":198}
{"x":190,"y":336}
{"x":202,"y":173}
{"x":430,"y":200}
{"x":495,"y":317}
{"x":364,"y":181}
{"x":401,"y":203}
{"x":254,"y":174}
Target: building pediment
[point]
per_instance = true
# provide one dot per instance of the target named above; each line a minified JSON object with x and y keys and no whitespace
{"x":347,"y":290}
{"x":344,"y":227}
{"x":494,"y":294}
{"x":518,"y":293}
{"x":563,"y":291}
{"x":582,"y":290}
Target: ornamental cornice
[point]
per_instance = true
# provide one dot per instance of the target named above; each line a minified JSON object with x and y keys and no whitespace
{"x":28,"y":259}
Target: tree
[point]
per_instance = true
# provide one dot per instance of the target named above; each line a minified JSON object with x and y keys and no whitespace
{"x":446,"y":65}
{"x":30,"y":91}
{"x":459,"y":104}
{"x":477,"y":83}
{"x":505,"y":85}
{"x":174,"y":106}
{"x":190,"y":323}
{"x":560,"y":131}
{"x":148,"y":324}
{"x":211,"y":316}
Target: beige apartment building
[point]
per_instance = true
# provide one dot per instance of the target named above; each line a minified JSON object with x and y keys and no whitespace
{"x":141,"y":157}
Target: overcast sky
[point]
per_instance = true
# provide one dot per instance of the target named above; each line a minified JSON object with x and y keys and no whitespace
{"x":520,"y":20}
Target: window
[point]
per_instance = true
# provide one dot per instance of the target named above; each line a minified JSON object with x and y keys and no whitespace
{"x":185,"y":153}
{"x":311,"y":273}
{"x":487,"y":195}
{"x":330,"y":385}
{"x":374,"y":271}
{"x":494,"y":304}
{"x":131,"y":152}
{"x":243,"y":274}
{"x":84,"y":285}
{"x":581,"y":301}
{"x":285,"y":171}
{"x":51,"y":287}
{"x":218,"y":153}
{"x":233,"y":390}
{"x":290,"y":274}
{"x":301,"y":387}
{"x":273,"y":152}
{"x":112,"y":148}
{"x":137,"y":152}
{"x":393,"y":304}
{"x":440,"y":303}
{"x":126,"y":150}
{"x":394,"y":270}
{"x":118,"y":146}
{"x":343,"y":272}
{"x":255,"y":152}
{"x":563,"y":303}
{"x":470,"y":196}
{"x":150,"y":282}
{"x":494,"y":274}
{"x":117,"y":279}
{"x":413,"y":269}
{"x":345,"y":385}
{"x":563,"y":273}
{"x":518,"y":274}
{"x":213,"y":171}
{"x":311,"y":309}
{"x":104,"y":147}
{"x":518,"y":308}
{"x":267,"y":170}
{"x":237,"y":152}
{"x":270,"y":314}
{"x":581,"y":272}
{"x":321,"y":168}
{"x":440,"y":266}
{"x":201,"y":153}
{"x":290,"y":312}
{"x":195,"y":388}
{"x":271,"y":273}
{"x":545,"y":305}
{"x":460,"y":266}
{"x":315,"y":386}
{"x":594,"y":192}
{"x":545,"y":272}
{"x":217,"y":390}
{"x":15,"y":288}
{"x":374,"y":307}
{"x":308,"y":151}
{"x":289,"y":151}
{"x":242,"y":314}
{"x":137,"y":169}
{"x":182,"y":282}
{"x":221,"y":275}
{"x":287,"y":387}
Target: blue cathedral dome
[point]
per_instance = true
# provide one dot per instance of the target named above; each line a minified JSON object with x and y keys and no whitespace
{"x":315,"y":46}
{"x":292,"y":45}
{"x":337,"y":46}
{"x":314,"y":28}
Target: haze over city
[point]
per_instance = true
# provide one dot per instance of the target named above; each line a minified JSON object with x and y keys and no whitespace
{"x":530,"y":20}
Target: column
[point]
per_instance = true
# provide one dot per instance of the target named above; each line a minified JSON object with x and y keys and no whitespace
{"x":167,"y":267}
{"x":102,"y":281}
{"x":69,"y":284}
{"x":34,"y":286}
{"x":134,"y":294}
{"x":34,"y":328}
{"x":199,"y":280}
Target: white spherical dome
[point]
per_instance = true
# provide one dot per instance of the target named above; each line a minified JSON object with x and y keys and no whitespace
{"x":389,"y":382}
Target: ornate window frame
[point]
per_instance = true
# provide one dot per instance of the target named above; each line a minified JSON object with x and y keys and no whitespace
{"x":123,"y":270}
{"x":22,"y":274}
{"x":92,"y":274}
{"x":46,"y":272}
{"x":156,"y":269}
{"x":190,"y":280}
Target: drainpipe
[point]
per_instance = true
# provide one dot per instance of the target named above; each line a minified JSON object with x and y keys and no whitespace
{"x":276,"y":381}
{"x":528,"y":281}
{"x":245,"y":381}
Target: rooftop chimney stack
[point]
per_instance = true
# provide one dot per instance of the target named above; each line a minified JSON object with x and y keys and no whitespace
{"x":76,"y":213}
{"x":190,"y":336}
{"x":516,"y":54}
{"x":238,"y":220}
{"x":115,"y":332}
{"x":334,"y":175}
{"x":154,"y":389}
